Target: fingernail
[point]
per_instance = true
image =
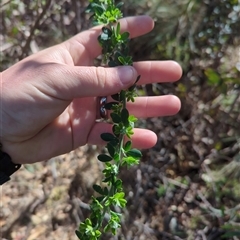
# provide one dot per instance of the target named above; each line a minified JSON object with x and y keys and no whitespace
{"x":127,"y":74}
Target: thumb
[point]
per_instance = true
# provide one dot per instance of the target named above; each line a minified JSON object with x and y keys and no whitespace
{"x":77,"y":81}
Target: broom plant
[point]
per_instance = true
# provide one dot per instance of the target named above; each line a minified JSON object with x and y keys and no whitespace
{"x":115,"y":52}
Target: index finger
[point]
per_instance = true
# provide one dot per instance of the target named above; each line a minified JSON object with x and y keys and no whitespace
{"x":85,"y":44}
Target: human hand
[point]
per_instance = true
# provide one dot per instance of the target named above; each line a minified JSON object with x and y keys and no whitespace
{"x":49,"y":100}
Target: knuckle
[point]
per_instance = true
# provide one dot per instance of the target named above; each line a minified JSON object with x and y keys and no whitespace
{"x":101,"y":77}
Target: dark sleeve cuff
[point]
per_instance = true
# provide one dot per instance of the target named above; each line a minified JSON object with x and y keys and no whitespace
{"x":7,"y":167}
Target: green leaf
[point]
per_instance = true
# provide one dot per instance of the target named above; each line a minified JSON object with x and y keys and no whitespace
{"x":96,"y":206}
{"x":89,"y":8}
{"x":122,"y":96}
{"x":138,"y":78}
{"x":132,"y":88}
{"x":116,"y":157}
{"x":125,"y":36}
{"x":98,"y":189}
{"x":104,"y":158}
{"x":118,"y":185}
{"x":113,"y":223}
{"x":132,"y":118}
{"x":115,"y":117}
{"x":119,"y":199}
{"x":97,"y":234}
{"x":120,"y":4}
{"x":86,"y":228}
{"x":118,"y":29}
{"x":111,"y":149}
{"x":110,"y":170}
{"x":130,"y":161}
{"x":116,"y":130}
{"x":116,"y":97}
{"x":127,"y":145}
{"x":100,"y":198}
{"x":129,"y":131}
{"x":108,"y":137}
{"x":98,"y":9}
{"x":124,"y":116}
{"x":79,"y":235}
{"x":109,"y":105}
{"x":114,"y":142}
{"x":105,"y":190}
{"x":121,"y":60}
{"x":107,"y":179}
{"x":128,"y":61}
{"x":135,"y":153}
{"x":117,"y":54}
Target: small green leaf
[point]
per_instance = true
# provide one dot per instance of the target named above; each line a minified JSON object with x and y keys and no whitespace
{"x":104,"y":158}
{"x":132,"y":118}
{"x":135,"y":153}
{"x":119,"y":199}
{"x":116,"y":130}
{"x":127,"y":146}
{"x":138,"y":78}
{"x":109,"y":105}
{"x":98,"y":189}
{"x":124,"y":116}
{"x":132,"y":88}
{"x":118,"y":185}
{"x":85,"y":226}
{"x":96,"y":206}
{"x":121,"y":60}
{"x":122,"y":96}
{"x":129,"y":131}
{"x":113,"y":223}
{"x":79,"y":235}
{"x":114,"y":142}
{"x":108,"y":137}
{"x":130,"y":161}
{"x":116,"y":157}
{"x":125,"y":36}
{"x":107,"y":179}
{"x":98,"y":9}
{"x":105,"y":190}
{"x":116,"y":97}
{"x":118,"y":29}
{"x":119,"y":5}
{"x":111,"y":149}
{"x":115,"y":117}
{"x":100,"y":198}
{"x":97,"y":234}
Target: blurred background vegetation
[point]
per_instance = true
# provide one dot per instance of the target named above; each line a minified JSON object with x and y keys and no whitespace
{"x":188,"y":185}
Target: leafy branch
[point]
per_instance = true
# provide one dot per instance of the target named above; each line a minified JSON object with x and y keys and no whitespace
{"x":115,"y":52}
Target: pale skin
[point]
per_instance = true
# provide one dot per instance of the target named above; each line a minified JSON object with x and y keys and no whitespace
{"x":49,"y":99}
